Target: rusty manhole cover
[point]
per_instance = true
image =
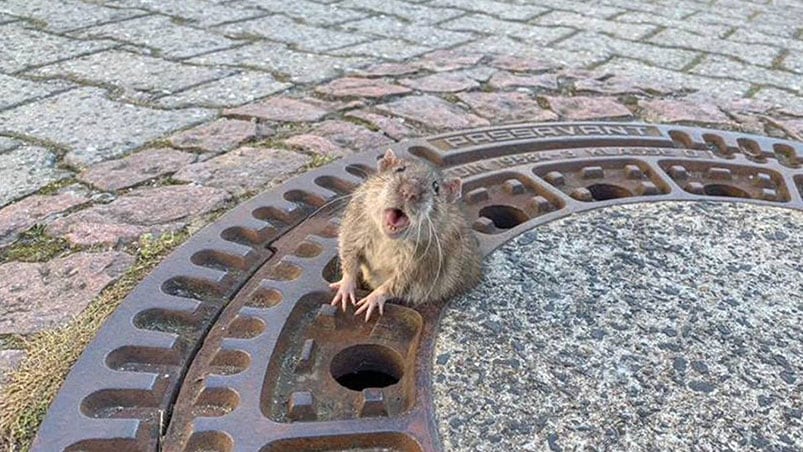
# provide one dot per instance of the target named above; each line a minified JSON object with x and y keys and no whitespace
{"x":230,"y":343}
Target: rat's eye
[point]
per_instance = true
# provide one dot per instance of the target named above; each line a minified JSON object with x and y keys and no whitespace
{"x":436,"y":187}
{"x":401,"y":169}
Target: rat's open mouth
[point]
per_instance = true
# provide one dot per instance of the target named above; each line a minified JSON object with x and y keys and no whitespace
{"x":396,"y":221}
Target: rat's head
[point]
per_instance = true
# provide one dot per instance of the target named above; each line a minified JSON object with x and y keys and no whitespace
{"x":412,"y":194}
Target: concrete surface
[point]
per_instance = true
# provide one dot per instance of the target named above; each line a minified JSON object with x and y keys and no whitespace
{"x":668,"y":326}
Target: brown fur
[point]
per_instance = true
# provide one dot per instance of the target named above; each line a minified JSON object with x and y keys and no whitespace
{"x":436,"y":257}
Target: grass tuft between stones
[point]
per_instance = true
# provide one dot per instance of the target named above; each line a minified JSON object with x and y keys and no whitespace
{"x":50,"y":354}
{"x":34,"y":245}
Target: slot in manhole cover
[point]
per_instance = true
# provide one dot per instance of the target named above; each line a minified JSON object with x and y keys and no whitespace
{"x":230,"y":343}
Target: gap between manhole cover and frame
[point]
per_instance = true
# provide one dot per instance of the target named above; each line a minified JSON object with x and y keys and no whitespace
{"x":230,"y":344}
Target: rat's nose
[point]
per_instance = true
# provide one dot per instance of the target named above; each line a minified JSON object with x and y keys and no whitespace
{"x":410,"y":192}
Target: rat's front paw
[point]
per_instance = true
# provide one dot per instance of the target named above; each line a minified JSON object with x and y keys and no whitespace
{"x":373,"y":301}
{"x":345,"y":292}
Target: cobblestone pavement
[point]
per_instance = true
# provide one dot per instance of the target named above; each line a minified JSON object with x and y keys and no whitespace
{"x":125,"y":117}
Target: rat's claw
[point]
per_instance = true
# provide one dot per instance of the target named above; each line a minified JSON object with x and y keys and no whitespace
{"x":369,"y":303}
{"x":345,"y":292}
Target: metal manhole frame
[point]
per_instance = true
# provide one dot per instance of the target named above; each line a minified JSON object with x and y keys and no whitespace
{"x":150,"y":361}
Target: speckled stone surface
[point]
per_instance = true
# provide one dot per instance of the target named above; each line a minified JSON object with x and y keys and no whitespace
{"x":668,"y":326}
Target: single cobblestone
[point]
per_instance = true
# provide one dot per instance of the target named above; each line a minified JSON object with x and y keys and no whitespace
{"x":360,"y":87}
{"x":351,"y":136}
{"x":219,"y":136}
{"x":315,"y":144}
{"x":507,"y":107}
{"x":132,"y":72}
{"x":531,"y":34}
{"x":93,"y":127}
{"x":21,"y":47}
{"x":504,"y":80}
{"x":521,"y":63}
{"x":162,"y":35}
{"x":781,"y":99}
{"x":448,"y":60}
{"x":142,"y":211}
{"x":444,"y":82}
{"x":280,"y":109}
{"x":26,"y":169}
{"x":298,"y":66}
{"x":21,"y":216}
{"x":583,"y":108}
{"x":395,"y":128}
{"x":304,"y":37}
{"x":17,"y":90}
{"x":135,"y":169}
{"x":37,"y":296}
{"x":432,"y":112}
{"x":64,"y":15}
{"x":244,"y":170}
{"x":674,"y":111}
{"x":385,"y":70}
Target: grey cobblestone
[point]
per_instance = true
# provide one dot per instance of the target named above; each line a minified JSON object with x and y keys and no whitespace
{"x":390,"y":49}
{"x":600,"y":10}
{"x":413,"y":13}
{"x":307,"y":11}
{"x":759,"y":54}
{"x":420,"y":34}
{"x":604,"y":46}
{"x":304,"y":37}
{"x":717,"y":66}
{"x":22,"y":47}
{"x":480,"y":23}
{"x":17,"y":90}
{"x":229,"y":91}
{"x":639,"y":17}
{"x":204,"y":13}
{"x":92,"y":127}
{"x":495,"y":8}
{"x":63,"y":15}
{"x":7,"y":144}
{"x":26,"y":169}
{"x":6,"y":19}
{"x":132,"y":72}
{"x":794,"y":62}
{"x":580,"y":22}
{"x":716,"y":88}
{"x":300,"y":67}
{"x":505,"y":45}
{"x":780,"y":98}
{"x":163,"y":35}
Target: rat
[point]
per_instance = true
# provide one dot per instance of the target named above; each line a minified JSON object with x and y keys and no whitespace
{"x":406,"y":235}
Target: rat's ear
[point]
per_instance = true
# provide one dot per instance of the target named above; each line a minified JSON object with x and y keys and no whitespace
{"x":387,"y":161}
{"x":453,"y":189}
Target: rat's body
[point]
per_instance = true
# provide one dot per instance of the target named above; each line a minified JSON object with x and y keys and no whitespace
{"x":405,"y":233}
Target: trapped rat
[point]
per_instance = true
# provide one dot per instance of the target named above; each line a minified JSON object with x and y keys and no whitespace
{"x":404,"y":232}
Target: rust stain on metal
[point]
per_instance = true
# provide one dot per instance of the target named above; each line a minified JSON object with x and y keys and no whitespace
{"x":230,"y":343}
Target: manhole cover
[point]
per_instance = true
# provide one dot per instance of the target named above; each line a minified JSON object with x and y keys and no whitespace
{"x":230,"y":343}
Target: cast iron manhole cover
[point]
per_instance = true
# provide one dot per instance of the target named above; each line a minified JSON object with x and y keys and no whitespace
{"x":230,"y":344}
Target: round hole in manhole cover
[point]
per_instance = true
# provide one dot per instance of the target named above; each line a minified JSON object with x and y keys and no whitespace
{"x":367,"y":366}
{"x":230,"y":343}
